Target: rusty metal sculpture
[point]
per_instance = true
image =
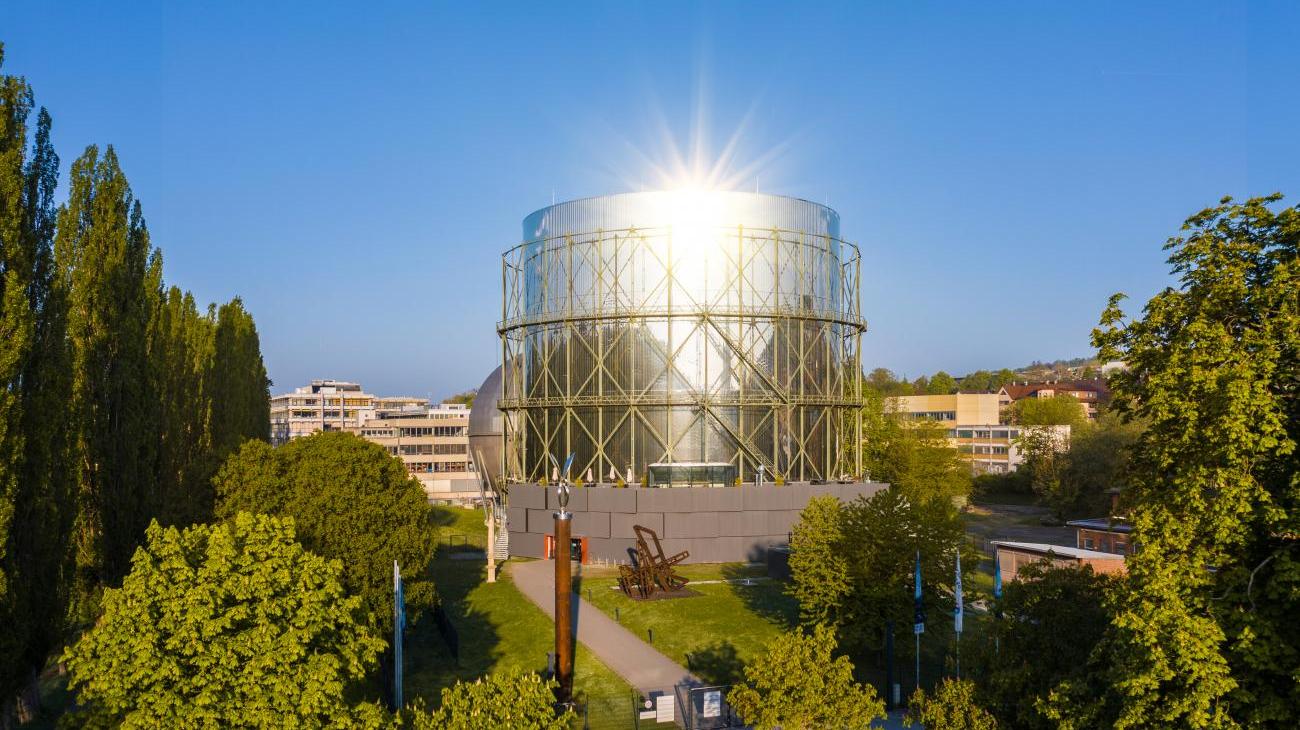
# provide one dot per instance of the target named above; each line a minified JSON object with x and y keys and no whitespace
{"x":651,"y":570}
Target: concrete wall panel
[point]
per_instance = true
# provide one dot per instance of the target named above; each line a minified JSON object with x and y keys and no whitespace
{"x":527,"y":544}
{"x":591,"y":524}
{"x":527,"y":496}
{"x":541,"y":521}
{"x":714,"y":524}
{"x":611,"y":499}
{"x":620,"y":525}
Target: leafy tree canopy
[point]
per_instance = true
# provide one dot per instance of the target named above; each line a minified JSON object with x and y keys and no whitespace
{"x":852,"y":564}
{"x":914,"y":457}
{"x":941,"y":383}
{"x":496,"y":702}
{"x":351,"y":501}
{"x":1027,"y":654}
{"x":230,"y":625}
{"x":952,"y":706}
{"x":819,"y":570}
{"x":798,"y":684}
{"x":466,"y":398}
{"x":1059,"y":410}
{"x":884,"y":382}
{"x":1213,"y":367}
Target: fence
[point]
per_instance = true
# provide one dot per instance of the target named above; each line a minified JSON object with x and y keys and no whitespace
{"x":461,"y":542}
{"x":705,"y":708}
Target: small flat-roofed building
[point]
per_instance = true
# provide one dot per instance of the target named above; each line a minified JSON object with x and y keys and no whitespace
{"x":1012,"y":557}
{"x":1106,"y":534}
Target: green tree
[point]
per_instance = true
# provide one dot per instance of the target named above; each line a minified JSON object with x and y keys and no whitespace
{"x":1060,"y":410}
{"x":1096,"y":463}
{"x":110,"y":274}
{"x":351,"y":501}
{"x":465,"y":398}
{"x":227,"y":625}
{"x":1002,"y":377}
{"x":951,"y":707}
{"x":819,"y":569}
{"x":921,"y":385}
{"x":1212,"y":481}
{"x":1045,"y":453}
{"x":495,"y":702}
{"x":240,"y":389}
{"x":914,"y":457}
{"x":941,"y":384}
{"x":35,"y":508}
{"x":883,"y":382}
{"x":881,"y":537}
{"x":1026,"y":654}
{"x":181,"y":352}
{"x":798,"y":683}
{"x":978,"y":381}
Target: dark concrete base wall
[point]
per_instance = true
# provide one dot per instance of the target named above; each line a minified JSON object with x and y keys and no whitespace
{"x":717,"y":525}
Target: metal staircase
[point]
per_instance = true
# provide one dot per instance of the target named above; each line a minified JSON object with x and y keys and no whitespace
{"x":503,"y":535}
{"x":493,"y":511}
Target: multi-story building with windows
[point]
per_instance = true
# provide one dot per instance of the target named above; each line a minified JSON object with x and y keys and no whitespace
{"x":433,"y":443}
{"x":325,"y":405}
{"x":973,"y":424}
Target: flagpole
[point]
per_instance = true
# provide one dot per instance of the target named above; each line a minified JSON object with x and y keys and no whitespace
{"x":918,"y":625}
{"x":959,"y":613}
{"x":997,"y":599}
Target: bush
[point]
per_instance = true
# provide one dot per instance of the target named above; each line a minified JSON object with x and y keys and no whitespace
{"x":798,"y":683}
{"x":495,"y":702}
{"x":952,"y":707}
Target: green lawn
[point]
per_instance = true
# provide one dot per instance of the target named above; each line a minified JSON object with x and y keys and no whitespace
{"x":460,"y":528}
{"x":499,"y":630}
{"x":721,"y":628}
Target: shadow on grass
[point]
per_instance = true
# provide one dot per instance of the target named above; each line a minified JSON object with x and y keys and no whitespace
{"x":716,"y":663}
{"x":765,"y":598}
{"x":430,"y":666}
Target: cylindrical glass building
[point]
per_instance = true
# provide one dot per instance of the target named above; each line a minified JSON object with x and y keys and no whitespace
{"x":682,"y":328}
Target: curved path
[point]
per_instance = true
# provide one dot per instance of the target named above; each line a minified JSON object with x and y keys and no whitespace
{"x":634,"y":660}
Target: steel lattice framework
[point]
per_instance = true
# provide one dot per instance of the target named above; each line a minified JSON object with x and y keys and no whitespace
{"x":636,"y":346}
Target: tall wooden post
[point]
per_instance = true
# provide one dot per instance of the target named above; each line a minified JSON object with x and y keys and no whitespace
{"x":563,"y":599}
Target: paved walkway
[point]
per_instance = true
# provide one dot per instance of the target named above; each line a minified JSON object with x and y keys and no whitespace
{"x":634,"y":660}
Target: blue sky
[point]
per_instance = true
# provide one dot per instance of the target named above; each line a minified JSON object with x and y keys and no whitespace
{"x":354,"y":170}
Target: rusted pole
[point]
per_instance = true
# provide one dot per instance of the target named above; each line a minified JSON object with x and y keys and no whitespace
{"x":563,"y":601}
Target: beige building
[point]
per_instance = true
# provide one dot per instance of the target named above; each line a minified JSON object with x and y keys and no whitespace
{"x":973,"y":424}
{"x":433,"y":443}
{"x":325,"y":405}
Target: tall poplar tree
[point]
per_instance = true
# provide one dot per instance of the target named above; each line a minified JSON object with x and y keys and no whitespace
{"x":241,"y":406}
{"x":35,"y":508}
{"x":16,"y":325}
{"x":181,"y":353}
{"x":110,"y":275}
